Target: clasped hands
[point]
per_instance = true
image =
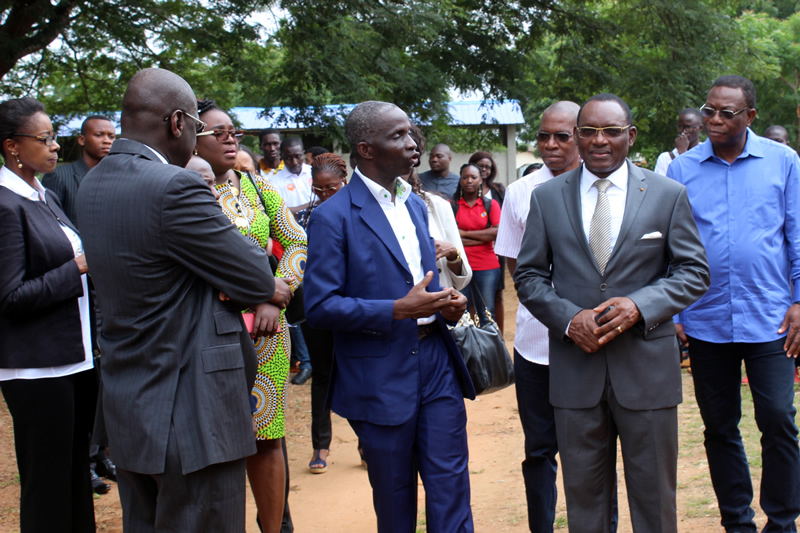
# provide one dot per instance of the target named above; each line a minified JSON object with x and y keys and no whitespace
{"x":419,"y":303}
{"x":268,"y":314}
{"x":589,"y":336}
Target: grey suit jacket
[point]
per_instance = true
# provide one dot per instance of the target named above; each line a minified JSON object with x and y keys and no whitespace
{"x":158,"y":248}
{"x":557,"y":277}
{"x":64,"y":182}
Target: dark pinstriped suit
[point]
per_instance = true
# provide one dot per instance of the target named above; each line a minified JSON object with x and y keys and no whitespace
{"x":178,"y":364}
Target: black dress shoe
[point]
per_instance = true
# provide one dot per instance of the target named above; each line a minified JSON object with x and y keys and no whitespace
{"x":105,"y":468}
{"x":98,"y":485}
{"x":302,"y":376}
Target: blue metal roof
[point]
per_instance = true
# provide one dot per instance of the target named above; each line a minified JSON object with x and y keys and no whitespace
{"x":466,"y":113}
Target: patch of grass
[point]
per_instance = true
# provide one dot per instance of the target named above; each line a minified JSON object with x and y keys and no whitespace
{"x":481,"y":471}
{"x":561,"y":522}
{"x":699,"y":507}
{"x":14,"y":480}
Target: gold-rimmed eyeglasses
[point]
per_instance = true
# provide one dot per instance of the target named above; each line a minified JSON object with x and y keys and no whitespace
{"x":609,"y":132}
{"x":200,"y":126}
{"x":47,"y":140}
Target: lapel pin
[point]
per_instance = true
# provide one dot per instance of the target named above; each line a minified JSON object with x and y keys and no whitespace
{"x":641,"y":188}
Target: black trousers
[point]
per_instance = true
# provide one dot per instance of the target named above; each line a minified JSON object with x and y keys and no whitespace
{"x":53,"y":418}
{"x":320,"y":348}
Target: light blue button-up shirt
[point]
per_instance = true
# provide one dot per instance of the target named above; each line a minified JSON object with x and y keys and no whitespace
{"x":748,"y":215}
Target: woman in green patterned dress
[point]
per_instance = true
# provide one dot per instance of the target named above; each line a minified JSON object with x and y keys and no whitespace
{"x":251,"y":203}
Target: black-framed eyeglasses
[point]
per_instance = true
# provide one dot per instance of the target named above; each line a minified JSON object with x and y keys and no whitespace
{"x":561,"y":136}
{"x":727,"y":114}
{"x":47,"y":140}
{"x":686,"y":127}
{"x":222,"y":135}
{"x":484,"y":167}
{"x":609,"y":132}
{"x":200,"y":126}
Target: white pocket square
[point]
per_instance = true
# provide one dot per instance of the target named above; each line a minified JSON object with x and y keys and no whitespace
{"x":653,"y":235}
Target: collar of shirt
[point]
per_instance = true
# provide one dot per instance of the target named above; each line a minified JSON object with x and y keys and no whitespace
{"x":618,"y":178}
{"x":158,"y":154}
{"x":752,"y":147}
{"x":17,"y":185}
{"x":402,"y":190}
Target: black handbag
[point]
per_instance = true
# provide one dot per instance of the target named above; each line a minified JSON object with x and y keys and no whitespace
{"x":485,"y":354}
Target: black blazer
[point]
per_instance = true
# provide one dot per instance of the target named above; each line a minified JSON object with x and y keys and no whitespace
{"x":40,"y":323}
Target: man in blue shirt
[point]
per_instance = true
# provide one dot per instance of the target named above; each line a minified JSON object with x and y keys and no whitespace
{"x":745,"y":196}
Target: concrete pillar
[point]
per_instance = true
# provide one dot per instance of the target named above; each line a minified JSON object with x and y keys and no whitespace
{"x":511,"y":153}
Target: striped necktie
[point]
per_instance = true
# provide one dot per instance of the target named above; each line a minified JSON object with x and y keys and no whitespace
{"x":600,"y":227}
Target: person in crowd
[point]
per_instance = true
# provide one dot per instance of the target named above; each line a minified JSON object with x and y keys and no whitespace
{"x":245,"y":160}
{"x":777,"y":134}
{"x":329,"y":175}
{"x":398,"y":376}
{"x":477,"y":218}
{"x":745,"y":196}
{"x":269,"y":141}
{"x":494,"y":191}
{"x":439,"y":179}
{"x":46,"y":360}
{"x":610,"y":252}
{"x":97,"y":135}
{"x":178,"y":364}
{"x":293,"y":183}
{"x":690,"y":124}
{"x":313,"y":152}
{"x":258,"y":211}
{"x":451,"y":258}
{"x":557,"y":146}
{"x":202,"y":167}
{"x":530,"y":169}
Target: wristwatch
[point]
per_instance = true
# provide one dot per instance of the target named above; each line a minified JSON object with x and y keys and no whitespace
{"x":458,"y":257}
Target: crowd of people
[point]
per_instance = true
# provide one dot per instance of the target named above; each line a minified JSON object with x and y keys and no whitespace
{"x":154,"y":293}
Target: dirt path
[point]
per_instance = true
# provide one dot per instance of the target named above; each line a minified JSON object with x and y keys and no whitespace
{"x":340,"y":500}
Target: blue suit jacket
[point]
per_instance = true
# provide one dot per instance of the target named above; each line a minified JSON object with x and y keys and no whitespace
{"x":355,"y":271}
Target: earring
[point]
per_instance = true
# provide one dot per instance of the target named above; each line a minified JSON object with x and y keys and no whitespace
{"x":19,"y":163}
{"x":195,"y":151}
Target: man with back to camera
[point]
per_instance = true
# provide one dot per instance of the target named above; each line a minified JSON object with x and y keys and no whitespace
{"x":559,"y":151}
{"x":610,"y":253}
{"x":439,"y":179}
{"x":97,"y":134}
{"x":178,"y":362}
{"x":397,"y":375}
{"x":745,"y":195}
{"x":690,"y":124}
{"x":777,"y":134}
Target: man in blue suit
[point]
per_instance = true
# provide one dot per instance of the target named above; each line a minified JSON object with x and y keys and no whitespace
{"x":398,"y":376}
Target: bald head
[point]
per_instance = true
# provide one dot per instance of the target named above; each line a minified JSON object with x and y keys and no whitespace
{"x":155,"y":112}
{"x":440,"y":159}
{"x":564,"y":108}
{"x":777,"y":134}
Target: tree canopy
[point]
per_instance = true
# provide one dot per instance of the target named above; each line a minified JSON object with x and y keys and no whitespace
{"x":659,"y":55}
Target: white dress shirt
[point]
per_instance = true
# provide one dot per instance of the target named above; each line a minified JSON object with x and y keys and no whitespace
{"x":530,"y":340}
{"x":295,"y":189}
{"x":663,"y":161}
{"x":616,"y":194}
{"x":403,"y":227}
{"x":17,"y":185}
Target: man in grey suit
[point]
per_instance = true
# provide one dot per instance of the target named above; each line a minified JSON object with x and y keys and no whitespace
{"x":611,"y":238}
{"x":178,"y":363}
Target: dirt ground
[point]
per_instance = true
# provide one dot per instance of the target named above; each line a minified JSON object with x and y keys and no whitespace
{"x":340,"y":500}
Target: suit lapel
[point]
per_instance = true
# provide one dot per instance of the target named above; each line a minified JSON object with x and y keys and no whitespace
{"x":423,"y":236}
{"x":374,"y":217}
{"x":572,"y":202}
{"x":637,"y":188}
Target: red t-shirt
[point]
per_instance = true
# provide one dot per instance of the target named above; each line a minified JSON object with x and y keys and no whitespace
{"x":473,"y":218}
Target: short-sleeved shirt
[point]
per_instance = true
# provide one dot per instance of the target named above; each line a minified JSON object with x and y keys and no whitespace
{"x":444,"y":186}
{"x":473,"y":218}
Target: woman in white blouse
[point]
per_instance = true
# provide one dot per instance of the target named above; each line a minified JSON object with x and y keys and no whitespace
{"x":46,"y":365}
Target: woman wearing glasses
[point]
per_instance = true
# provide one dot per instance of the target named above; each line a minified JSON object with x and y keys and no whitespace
{"x":46,"y":365}
{"x":494,"y":191}
{"x":258,"y":211}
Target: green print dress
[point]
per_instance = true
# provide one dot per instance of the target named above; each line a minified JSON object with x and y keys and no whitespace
{"x":259,"y":217}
